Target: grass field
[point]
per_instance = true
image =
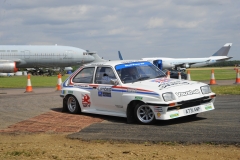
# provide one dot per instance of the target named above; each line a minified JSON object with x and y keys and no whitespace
{"x":201,"y":74}
{"x":36,"y":81}
{"x":197,"y":74}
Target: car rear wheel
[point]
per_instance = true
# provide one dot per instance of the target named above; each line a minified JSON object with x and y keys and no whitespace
{"x":72,"y":105}
{"x":144,"y":114}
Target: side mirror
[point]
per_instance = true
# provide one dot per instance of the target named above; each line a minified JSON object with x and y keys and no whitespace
{"x":114,"y":82}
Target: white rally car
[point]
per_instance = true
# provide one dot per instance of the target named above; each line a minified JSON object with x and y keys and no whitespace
{"x":137,"y":90}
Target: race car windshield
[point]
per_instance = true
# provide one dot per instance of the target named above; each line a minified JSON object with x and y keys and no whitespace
{"x":137,"y":71}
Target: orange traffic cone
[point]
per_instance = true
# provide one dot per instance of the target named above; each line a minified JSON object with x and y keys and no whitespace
{"x":235,"y":67}
{"x":168,"y":74}
{"x":188,"y":75}
{"x":29,"y":85}
{"x":179,"y":75}
{"x":59,"y":82}
{"x":212,"y":80}
{"x":237,"y":77}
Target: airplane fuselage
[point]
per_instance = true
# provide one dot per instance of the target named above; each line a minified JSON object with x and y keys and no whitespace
{"x":169,"y":63}
{"x":27,"y":56}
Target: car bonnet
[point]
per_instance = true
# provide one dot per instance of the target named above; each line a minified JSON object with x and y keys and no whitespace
{"x":181,"y":88}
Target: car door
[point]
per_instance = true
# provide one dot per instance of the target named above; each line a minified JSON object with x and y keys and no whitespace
{"x":103,"y":95}
{"x":82,"y":81}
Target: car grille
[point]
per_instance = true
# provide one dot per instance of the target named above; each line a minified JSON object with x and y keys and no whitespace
{"x":190,"y":103}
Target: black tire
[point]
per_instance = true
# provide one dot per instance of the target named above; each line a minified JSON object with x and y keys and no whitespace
{"x":144,"y":114}
{"x":65,"y":108}
{"x":73,"y":105}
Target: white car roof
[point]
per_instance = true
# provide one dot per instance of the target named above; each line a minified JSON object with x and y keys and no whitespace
{"x":113,"y":63}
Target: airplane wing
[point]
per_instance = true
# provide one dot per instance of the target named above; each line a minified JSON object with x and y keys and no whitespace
{"x":223,"y":59}
{"x":184,"y":65}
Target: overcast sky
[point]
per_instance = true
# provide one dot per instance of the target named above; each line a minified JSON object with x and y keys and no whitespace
{"x":137,"y":28}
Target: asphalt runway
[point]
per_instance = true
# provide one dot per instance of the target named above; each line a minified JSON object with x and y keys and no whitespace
{"x":17,"y":106}
{"x":221,"y":125}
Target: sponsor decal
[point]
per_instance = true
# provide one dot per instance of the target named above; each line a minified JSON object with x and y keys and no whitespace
{"x":104,"y":94}
{"x":161,"y":80}
{"x":104,"y":91}
{"x":158,"y":114}
{"x":165,"y":83}
{"x":131,"y":63}
{"x":208,"y":107}
{"x":131,"y":90}
{"x":174,"y":115}
{"x":187,"y":93}
{"x":138,"y":98}
{"x":80,"y":85}
{"x":86,"y":100}
{"x":70,"y":92}
{"x":158,"y":109}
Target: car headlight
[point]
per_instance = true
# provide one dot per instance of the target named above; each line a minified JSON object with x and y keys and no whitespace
{"x":168,"y":96}
{"x":206,"y":89}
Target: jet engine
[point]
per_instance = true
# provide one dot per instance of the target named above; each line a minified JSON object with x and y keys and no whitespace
{"x":186,"y":65}
{"x":8,"y":67}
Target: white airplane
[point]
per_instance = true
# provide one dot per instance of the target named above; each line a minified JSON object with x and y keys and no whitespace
{"x":182,"y":63}
{"x":13,"y":57}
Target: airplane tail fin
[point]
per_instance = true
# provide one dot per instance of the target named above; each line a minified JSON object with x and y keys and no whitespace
{"x":120,"y":56}
{"x":224,"y":50}
{"x":96,"y":57}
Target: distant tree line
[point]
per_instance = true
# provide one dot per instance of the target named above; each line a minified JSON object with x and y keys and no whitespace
{"x":225,"y":64}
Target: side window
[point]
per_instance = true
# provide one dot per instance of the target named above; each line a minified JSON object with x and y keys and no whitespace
{"x":84,"y":76}
{"x":104,"y":75}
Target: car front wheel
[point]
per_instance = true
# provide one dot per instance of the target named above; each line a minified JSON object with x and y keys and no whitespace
{"x":144,"y":114}
{"x":72,"y":105}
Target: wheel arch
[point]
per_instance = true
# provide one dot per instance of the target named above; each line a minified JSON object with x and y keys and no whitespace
{"x":130,"y":110}
{"x":65,"y":107}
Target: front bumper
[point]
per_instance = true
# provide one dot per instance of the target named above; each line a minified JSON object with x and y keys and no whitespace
{"x":178,"y":112}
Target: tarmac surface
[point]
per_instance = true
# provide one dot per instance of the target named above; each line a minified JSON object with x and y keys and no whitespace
{"x":40,"y":111}
{"x":218,"y":126}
